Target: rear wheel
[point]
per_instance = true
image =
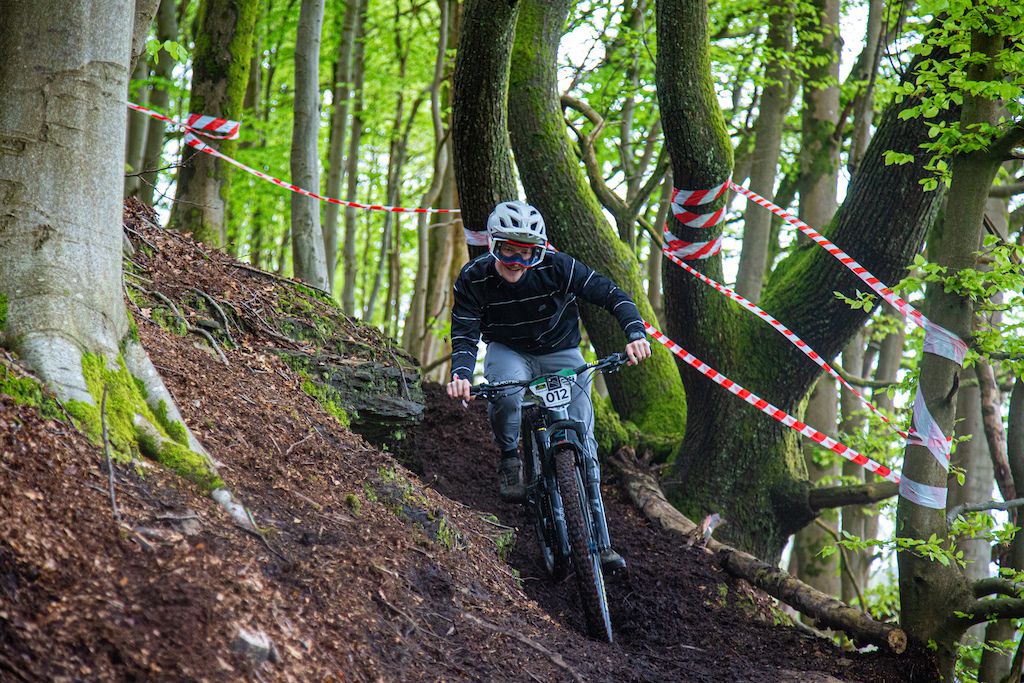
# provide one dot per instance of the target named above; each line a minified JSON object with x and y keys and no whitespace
{"x":585,"y":555}
{"x":537,"y":502}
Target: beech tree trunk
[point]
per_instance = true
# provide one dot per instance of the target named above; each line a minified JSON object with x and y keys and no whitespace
{"x":415,"y":323}
{"x":308,"y":261}
{"x":806,"y":562}
{"x":754,"y":475}
{"x":138,"y":127}
{"x":775,"y":100}
{"x":60,"y":265}
{"x":931,"y":593}
{"x":351,"y":267}
{"x":650,"y":394}
{"x":480,"y":147}
{"x":341,"y":92}
{"x":220,"y":72}
{"x":163,"y":71}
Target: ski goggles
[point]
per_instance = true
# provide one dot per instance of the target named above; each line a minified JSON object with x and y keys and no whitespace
{"x":515,"y":253}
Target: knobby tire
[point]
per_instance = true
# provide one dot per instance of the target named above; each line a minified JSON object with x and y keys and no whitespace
{"x":585,"y":556}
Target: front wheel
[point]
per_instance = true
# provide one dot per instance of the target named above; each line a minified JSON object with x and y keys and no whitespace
{"x":585,"y":555}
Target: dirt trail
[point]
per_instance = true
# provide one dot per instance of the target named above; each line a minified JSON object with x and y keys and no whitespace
{"x":362,"y":572}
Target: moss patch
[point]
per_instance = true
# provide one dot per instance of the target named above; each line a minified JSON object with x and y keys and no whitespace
{"x":608,"y":429}
{"x":27,"y":391}
{"x":125,"y":397}
{"x":3,"y":312}
{"x":326,"y":396}
{"x":612,"y":434}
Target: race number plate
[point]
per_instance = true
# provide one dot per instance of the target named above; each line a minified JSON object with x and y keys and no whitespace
{"x":553,"y":391}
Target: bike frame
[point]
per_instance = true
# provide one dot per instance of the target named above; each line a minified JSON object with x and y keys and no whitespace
{"x":552,"y":433}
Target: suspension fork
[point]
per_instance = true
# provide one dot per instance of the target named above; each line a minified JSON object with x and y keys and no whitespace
{"x":563,"y":430}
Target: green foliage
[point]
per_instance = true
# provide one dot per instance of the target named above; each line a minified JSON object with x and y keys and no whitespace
{"x":175,"y":49}
{"x":943,"y":83}
{"x":864,"y":301}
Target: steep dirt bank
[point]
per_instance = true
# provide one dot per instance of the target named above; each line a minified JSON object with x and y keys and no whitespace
{"x":363,"y":572}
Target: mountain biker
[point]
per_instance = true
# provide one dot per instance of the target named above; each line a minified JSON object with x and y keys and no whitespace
{"x":521,"y":297}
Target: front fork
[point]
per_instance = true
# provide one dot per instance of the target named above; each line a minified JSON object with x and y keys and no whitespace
{"x":565,"y":432}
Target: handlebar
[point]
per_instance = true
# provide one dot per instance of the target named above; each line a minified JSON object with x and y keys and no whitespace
{"x":608,"y":363}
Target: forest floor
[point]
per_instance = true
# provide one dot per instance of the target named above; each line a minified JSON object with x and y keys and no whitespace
{"x":365,"y":570}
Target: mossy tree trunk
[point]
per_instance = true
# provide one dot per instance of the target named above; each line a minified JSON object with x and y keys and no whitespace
{"x":62,"y":119}
{"x":220,"y":72}
{"x":483,"y":163}
{"x":735,"y":460}
{"x":650,"y":394}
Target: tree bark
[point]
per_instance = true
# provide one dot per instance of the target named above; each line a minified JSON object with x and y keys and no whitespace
{"x":415,"y":324}
{"x":61,"y":200}
{"x":931,"y":593}
{"x":220,"y":72}
{"x":650,"y":394}
{"x":145,"y":10}
{"x":806,"y":562}
{"x":308,"y":261}
{"x":856,"y":519}
{"x":754,"y":475}
{"x":163,"y":71}
{"x":644,"y":491}
{"x":775,"y":101}
{"x":341,"y":91}
{"x":483,"y":165}
{"x":138,"y":128}
{"x":348,"y":293}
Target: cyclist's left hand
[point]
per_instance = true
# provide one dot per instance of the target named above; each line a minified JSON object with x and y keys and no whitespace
{"x":637,"y":351}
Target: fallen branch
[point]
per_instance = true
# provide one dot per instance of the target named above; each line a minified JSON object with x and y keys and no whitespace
{"x":300,"y":441}
{"x":645,"y":492}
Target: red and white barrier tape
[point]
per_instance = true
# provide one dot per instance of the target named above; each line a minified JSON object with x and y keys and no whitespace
{"x":938,"y":340}
{"x":767,"y":408}
{"x":673,"y":246}
{"x":476,"y":238}
{"x":209,"y":126}
{"x":944,"y":343}
{"x":785,"y":332}
{"x":192,"y":141}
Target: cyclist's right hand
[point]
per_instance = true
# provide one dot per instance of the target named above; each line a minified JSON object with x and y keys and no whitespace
{"x":459,"y":388}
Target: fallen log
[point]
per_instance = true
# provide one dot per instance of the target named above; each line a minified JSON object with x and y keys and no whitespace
{"x":642,"y":487}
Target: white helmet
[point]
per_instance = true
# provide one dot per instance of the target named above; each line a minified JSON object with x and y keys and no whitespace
{"x":521,"y":225}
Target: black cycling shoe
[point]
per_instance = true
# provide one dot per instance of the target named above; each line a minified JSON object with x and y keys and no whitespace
{"x":611,"y":561}
{"x":510,"y":480}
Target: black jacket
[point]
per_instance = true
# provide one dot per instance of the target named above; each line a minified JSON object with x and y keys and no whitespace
{"x":536,"y":315}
